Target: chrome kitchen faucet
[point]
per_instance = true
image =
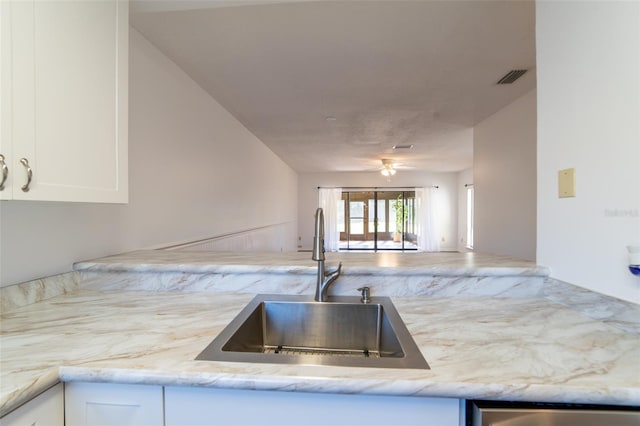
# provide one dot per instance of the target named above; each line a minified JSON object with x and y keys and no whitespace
{"x":325,"y":279}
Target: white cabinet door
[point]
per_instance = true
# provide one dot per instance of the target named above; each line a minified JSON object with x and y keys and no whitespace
{"x":6,"y":185}
{"x":200,"y":406}
{"x":106,"y":404}
{"x":68,"y":72}
{"x":47,"y":409}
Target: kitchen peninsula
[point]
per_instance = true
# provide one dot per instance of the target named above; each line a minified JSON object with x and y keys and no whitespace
{"x":490,"y":328}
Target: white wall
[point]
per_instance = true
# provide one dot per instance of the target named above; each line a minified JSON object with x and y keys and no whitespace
{"x":504,"y":161}
{"x":465,"y":177}
{"x":194,"y":172}
{"x":308,"y":184}
{"x":588,"y":56}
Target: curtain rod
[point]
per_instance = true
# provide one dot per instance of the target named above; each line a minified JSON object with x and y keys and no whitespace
{"x":388,"y":188}
{"x":466,"y":185}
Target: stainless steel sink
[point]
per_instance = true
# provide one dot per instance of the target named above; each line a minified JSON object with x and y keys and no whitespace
{"x":288,"y":329}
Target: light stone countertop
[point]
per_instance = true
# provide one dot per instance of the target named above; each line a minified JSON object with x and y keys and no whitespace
{"x":563,"y":344}
{"x":486,"y":348}
{"x":355,"y":263}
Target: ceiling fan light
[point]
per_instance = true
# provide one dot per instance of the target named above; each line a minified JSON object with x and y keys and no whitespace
{"x":387,"y":169}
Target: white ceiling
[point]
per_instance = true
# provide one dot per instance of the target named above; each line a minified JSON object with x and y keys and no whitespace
{"x":389,"y":72}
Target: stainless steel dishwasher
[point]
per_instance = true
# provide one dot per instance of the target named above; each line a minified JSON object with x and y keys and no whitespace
{"x":490,"y":413}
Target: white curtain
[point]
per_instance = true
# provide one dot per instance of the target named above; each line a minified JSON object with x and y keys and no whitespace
{"x":427,"y":219}
{"x":329,"y":200}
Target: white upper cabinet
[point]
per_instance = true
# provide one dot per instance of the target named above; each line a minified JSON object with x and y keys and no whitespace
{"x":6,"y":187}
{"x":64,"y":100}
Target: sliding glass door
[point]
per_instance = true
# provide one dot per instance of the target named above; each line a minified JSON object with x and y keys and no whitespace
{"x":377,"y":220}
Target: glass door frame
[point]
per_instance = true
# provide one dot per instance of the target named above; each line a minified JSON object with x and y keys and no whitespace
{"x":375,"y":195}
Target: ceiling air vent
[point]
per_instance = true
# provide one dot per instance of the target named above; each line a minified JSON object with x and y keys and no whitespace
{"x":402,"y":146}
{"x":511,"y":76}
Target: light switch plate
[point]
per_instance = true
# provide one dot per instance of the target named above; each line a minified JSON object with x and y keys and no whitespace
{"x":567,"y":183}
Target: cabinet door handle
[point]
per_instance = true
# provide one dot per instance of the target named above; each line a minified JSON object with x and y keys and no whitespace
{"x":25,"y":163}
{"x":5,"y":172}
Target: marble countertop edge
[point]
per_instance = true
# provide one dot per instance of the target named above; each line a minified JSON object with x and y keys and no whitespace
{"x":24,"y":394}
{"x":524,"y":392}
{"x":537,"y":271}
{"x":460,"y":390}
{"x":354,"y":263}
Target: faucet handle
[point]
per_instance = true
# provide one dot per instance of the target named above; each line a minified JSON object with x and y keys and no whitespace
{"x":365,"y":295}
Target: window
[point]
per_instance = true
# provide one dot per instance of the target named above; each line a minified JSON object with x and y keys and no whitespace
{"x":367,"y":220}
{"x":341,"y":205}
{"x":383,"y":206}
{"x":410,"y":222}
{"x":470,"y":217}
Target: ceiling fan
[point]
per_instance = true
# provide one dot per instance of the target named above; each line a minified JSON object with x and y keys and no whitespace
{"x":388,"y":168}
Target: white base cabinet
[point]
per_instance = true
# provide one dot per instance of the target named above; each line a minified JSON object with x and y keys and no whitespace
{"x":106,"y":404}
{"x":202,"y":406}
{"x":47,"y":409}
{"x":102,"y":404}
